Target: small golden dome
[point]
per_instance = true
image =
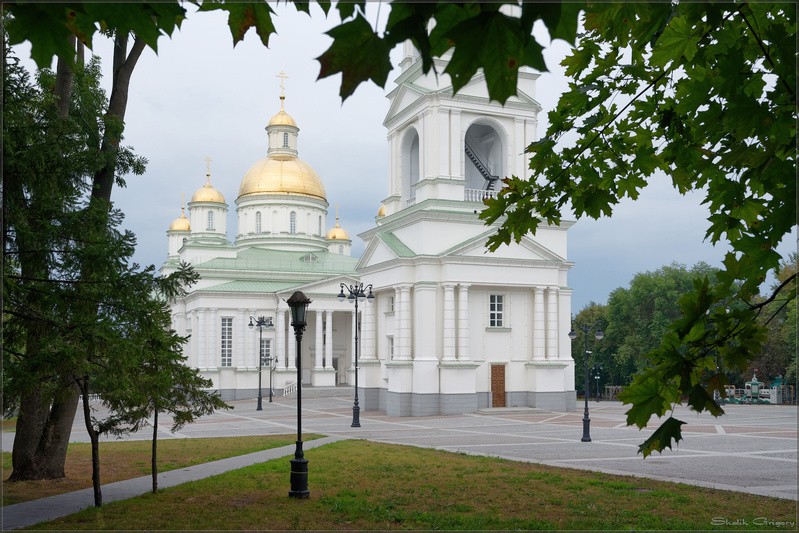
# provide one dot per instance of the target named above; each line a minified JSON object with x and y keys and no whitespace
{"x":180,"y":224}
{"x":282,"y":175}
{"x":208,"y":193}
{"x":382,"y":211}
{"x":337,"y":233}
{"x":281,"y":118}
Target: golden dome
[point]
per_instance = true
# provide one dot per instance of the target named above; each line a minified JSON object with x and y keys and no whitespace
{"x":282,"y":175}
{"x":337,"y":233}
{"x":181,"y":223}
{"x":208,"y":193}
{"x":382,"y":211}
{"x":281,"y":118}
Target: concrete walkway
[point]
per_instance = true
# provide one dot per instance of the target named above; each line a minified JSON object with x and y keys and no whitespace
{"x":752,"y":448}
{"x":35,"y":511}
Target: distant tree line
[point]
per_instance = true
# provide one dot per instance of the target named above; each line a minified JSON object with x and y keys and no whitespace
{"x":637,"y":317}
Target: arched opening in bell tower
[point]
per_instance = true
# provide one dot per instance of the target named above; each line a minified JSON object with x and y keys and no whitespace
{"x":484,"y":162}
{"x":410,"y":164}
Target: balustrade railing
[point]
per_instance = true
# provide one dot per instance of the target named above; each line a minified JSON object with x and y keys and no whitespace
{"x":478,"y":195}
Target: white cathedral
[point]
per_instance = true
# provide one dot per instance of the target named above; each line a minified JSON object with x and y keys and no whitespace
{"x":452,"y":328}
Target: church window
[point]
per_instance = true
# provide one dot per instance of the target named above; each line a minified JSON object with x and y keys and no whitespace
{"x":285,"y":140}
{"x":227,"y":341}
{"x":293,"y":222}
{"x":319,"y":227}
{"x":341,"y":249}
{"x":390,"y":304}
{"x":390,"y":348}
{"x":309,"y":258}
{"x":266,"y":352}
{"x":496,"y":310}
{"x":258,"y":222}
{"x":210,"y":221}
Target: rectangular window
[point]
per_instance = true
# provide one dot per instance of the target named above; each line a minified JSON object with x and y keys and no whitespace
{"x":266,"y":352}
{"x":227,"y":341}
{"x":496,"y":310}
{"x":390,"y":304}
{"x":390,"y":348}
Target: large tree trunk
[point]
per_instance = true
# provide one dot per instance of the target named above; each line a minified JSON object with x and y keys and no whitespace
{"x":44,"y":424}
{"x":124,"y":63}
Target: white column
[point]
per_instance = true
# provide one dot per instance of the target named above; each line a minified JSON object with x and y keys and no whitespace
{"x":213,"y":345}
{"x":539,"y":327}
{"x":368,"y":330}
{"x":194,"y":352}
{"x":552,"y":323}
{"x":250,"y":341}
{"x":239,"y":347}
{"x":405,"y":323}
{"x":449,"y":322}
{"x":202,"y":339}
{"x":318,"y":349}
{"x":280,"y":338}
{"x":329,"y":339}
{"x":292,"y":345}
{"x":463,"y":322}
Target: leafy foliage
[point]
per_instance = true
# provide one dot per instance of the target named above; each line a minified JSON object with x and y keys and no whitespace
{"x":704,"y":93}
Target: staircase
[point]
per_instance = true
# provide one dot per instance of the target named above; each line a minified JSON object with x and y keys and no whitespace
{"x":479,"y":160}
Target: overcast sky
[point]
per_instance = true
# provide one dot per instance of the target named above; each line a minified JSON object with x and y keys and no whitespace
{"x":200,"y":97}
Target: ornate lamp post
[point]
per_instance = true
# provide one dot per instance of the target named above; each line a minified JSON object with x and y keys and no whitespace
{"x":598,"y":335}
{"x":596,"y":372}
{"x":298,"y":303}
{"x":262,"y":322}
{"x":356,"y":295}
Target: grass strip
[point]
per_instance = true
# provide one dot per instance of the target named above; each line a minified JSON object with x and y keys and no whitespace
{"x":129,"y":459}
{"x":360,"y":485}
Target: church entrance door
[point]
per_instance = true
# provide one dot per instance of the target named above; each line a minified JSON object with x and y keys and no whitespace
{"x":497,"y":385}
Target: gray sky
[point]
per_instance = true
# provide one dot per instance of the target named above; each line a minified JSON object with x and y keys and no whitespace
{"x":200,"y":97}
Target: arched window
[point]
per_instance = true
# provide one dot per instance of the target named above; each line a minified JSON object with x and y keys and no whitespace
{"x":319,"y":228}
{"x":257,"y":222}
{"x":210,"y":221}
{"x":293,"y":222}
{"x":285,"y":140}
{"x":341,"y":249}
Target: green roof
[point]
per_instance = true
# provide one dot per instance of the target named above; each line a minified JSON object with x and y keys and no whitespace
{"x":253,"y":286}
{"x":396,"y":245}
{"x":260,"y":259}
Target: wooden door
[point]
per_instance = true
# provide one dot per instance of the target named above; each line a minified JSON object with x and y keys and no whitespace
{"x":497,"y":385}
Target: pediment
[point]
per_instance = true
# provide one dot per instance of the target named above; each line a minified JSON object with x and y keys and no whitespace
{"x":402,"y":98}
{"x":528,"y":249}
{"x":377,"y":251}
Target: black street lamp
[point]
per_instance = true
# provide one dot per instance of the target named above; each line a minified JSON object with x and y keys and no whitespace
{"x":598,"y":336}
{"x":356,"y":295}
{"x":262,"y":322}
{"x":298,"y":303}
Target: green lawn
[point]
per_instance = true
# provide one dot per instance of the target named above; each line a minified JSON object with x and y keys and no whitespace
{"x":361,"y":485}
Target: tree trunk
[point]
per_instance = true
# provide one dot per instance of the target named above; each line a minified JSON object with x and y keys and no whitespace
{"x":94,"y":435}
{"x":45,"y":419}
{"x":155,"y":451}
{"x":124,"y":64}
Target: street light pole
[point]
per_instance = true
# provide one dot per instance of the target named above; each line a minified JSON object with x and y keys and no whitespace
{"x":298,"y":303}
{"x":598,"y":335}
{"x":356,"y":294}
{"x":261,"y":322}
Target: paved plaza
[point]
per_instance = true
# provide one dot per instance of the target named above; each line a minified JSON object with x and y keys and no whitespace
{"x":752,"y":448}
